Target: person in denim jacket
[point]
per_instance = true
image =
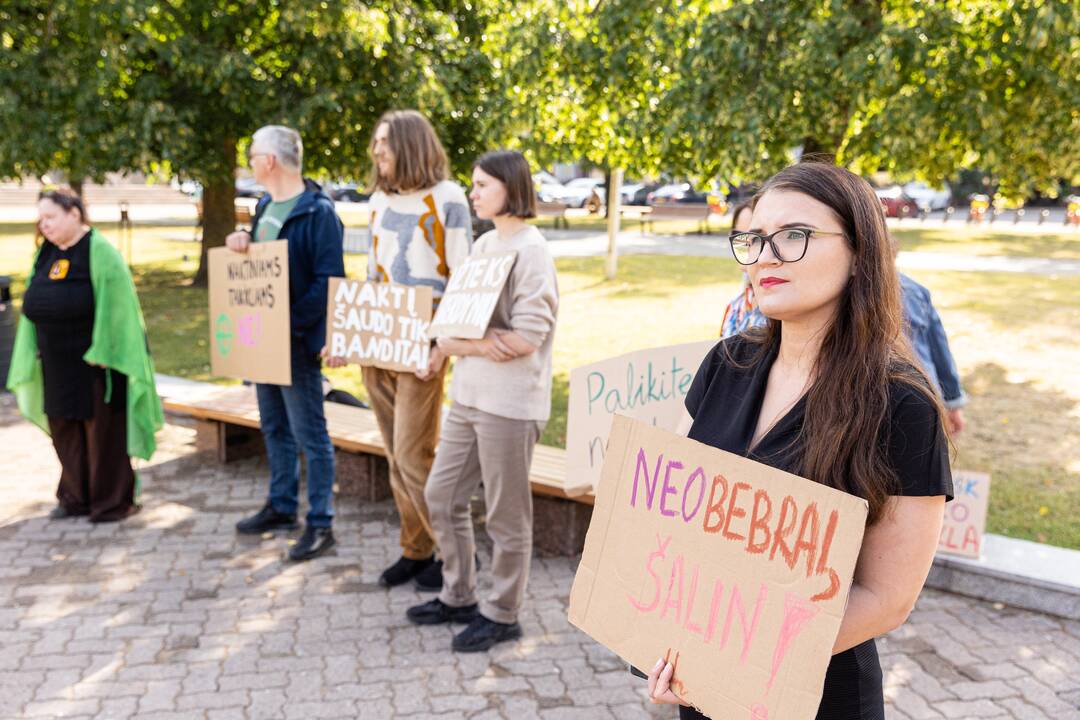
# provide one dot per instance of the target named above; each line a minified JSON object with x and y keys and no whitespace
{"x":928,"y":339}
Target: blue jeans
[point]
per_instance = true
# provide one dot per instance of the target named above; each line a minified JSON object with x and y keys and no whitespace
{"x":292,"y":419}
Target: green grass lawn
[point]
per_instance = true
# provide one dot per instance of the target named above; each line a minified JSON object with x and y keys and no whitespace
{"x":1013,"y":336}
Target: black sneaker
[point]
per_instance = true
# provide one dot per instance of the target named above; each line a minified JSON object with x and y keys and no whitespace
{"x":403,"y":571}
{"x":436,"y":612}
{"x":482,"y":634}
{"x":61,"y":513}
{"x":313,"y":543}
{"x":430,"y":578}
{"x":266,"y":520}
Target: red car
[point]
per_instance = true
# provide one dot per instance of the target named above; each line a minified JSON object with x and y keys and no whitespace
{"x":896,"y":203}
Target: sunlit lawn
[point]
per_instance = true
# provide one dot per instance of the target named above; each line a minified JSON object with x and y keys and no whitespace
{"x":1014,"y":337}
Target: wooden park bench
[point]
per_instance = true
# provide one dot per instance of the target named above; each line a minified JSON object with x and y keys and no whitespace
{"x":554,"y":210}
{"x":677,"y":211}
{"x":227,"y":427}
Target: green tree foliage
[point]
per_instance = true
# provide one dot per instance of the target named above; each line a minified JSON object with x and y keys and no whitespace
{"x":59,"y":105}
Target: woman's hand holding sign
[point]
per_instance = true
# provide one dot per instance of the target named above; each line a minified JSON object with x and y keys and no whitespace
{"x":660,"y":692}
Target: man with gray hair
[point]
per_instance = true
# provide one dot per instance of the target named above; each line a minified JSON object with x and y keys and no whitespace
{"x":297,"y":210}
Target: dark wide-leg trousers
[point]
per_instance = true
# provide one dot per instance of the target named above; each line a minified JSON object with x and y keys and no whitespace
{"x":96,"y":478}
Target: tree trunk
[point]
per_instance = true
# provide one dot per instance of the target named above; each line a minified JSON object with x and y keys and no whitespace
{"x":219,"y":219}
{"x":218,"y":210}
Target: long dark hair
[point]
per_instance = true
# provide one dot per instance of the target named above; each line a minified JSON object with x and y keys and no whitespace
{"x":845,"y":431}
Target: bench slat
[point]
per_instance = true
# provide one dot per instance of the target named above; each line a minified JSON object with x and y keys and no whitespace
{"x":355,"y":429}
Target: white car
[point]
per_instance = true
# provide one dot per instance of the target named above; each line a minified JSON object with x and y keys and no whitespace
{"x":926,"y":197}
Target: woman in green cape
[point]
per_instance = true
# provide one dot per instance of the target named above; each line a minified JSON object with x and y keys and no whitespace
{"x":81,"y":367}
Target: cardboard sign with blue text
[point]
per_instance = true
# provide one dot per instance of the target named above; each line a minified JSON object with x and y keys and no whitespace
{"x":249,"y":313}
{"x":648,"y":385}
{"x":471,"y":295}
{"x":380,"y":324}
{"x":736,"y":572}
{"x":965,"y":517}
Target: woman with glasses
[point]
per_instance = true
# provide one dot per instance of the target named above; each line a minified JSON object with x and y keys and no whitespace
{"x":830,"y":390}
{"x":81,"y":367}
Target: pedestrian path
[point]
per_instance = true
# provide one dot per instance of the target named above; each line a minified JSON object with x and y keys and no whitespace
{"x":171,"y":615}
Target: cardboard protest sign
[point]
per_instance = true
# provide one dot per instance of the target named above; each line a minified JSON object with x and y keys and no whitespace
{"x":649,"y":385}
{"x":380,"y":324}
{"x":736,"y":572}
{"x":471,"y":295}
{"x":965,"y":517}
{"x":249,"y":313}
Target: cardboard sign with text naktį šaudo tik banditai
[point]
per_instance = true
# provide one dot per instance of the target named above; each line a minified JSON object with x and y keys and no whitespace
{"x":380,"y":324}
{"x":471,"y":295}
{"x":736,"y":572}
{"x":647,"y":385}
{"x":249,"y":313}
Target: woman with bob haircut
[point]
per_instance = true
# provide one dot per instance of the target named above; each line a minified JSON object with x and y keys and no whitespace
{"x":81,"y":368}
{"x":501,"y":399}
{"x":829,"y":389}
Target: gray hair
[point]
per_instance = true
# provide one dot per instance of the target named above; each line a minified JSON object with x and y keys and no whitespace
{"x":282,"y":142}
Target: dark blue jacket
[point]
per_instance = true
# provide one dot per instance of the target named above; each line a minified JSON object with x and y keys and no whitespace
{"x":315,"y":236}
{"x":928,"y":338}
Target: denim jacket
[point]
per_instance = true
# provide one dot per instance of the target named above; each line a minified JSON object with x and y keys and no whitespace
{"x":928,"y":339}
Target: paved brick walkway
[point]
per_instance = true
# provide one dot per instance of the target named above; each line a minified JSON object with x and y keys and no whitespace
{"x":172,"y":615}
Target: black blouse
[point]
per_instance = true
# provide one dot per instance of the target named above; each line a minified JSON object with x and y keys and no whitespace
{"x":60,"y":303}
{"x":725,"y":401}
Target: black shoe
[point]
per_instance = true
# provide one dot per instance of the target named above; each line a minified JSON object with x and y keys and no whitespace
{"x":60,"y":513}
{"x":482,"y":634}
{"x":403,"y":571}
{"x":436,"y":612}
{"x":430,"y":578}
{"x":313,"y":543}
{"x":266,"y":520}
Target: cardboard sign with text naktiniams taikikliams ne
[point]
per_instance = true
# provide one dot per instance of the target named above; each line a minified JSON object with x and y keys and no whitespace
{"x":380,"y":324}
{"x":736,"y":572}
{"x":249,"y":313}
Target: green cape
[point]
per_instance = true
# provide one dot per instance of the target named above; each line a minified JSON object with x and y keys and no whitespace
{"x":119,"y":344}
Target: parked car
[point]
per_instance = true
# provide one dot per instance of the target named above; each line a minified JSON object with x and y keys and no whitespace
{"x":348,"y":192}
{"x":248,"y":188}
{"x":676,"y":193}
{"x":584,"y":192}
{"x":896,"y":203}
{"x":636,"y":193}
{"x":926,"y":197}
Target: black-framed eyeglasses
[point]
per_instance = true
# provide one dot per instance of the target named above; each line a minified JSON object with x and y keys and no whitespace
{"x":788,"y":245}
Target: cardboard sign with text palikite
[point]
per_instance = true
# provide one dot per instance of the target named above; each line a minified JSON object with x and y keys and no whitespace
{"x":648,"y":385}
{"x":736,"y":572}
{"x":380,"y":324}
{"x":249,"y":313}
{"x":965,"y":517}
{"x":471,"y":295}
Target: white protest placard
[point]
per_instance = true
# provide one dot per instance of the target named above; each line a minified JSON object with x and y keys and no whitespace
{"x":380,"y":324}
{"x":648,"y":385}
{"x":249,"y":313}
{"x":965,"y":517}
{"x":471,"y":295}
{"x":736,"y":572}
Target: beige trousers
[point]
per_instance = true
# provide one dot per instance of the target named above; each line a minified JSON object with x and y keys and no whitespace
{"x":476,"y":447}
{"x":407,"y":410}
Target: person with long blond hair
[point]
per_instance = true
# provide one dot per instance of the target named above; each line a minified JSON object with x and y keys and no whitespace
{"x":420,"y":231}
